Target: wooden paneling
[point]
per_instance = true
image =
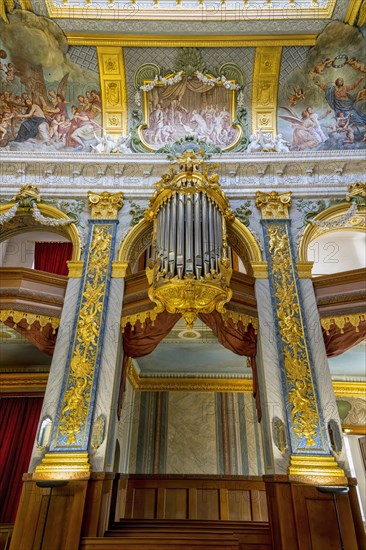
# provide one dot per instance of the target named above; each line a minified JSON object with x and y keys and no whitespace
{"x":49,"y":518}
{"x":6,"y":531}
{"x":239,"y":506}
{"x":198,"y":497}
{"x":208,"y":504}
{"x":176,"y":503}
{"x":302,"y":518}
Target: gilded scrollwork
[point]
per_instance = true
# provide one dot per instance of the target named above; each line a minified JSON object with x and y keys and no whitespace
{"x":304,"y":415}
{"x":76,"y":401}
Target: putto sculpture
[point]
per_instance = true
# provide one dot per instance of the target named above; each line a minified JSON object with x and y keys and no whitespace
{"x":264,"y":143}
{"x":106,"y":143}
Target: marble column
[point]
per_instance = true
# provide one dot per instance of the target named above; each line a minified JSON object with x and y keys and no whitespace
{"x":294,"y":374}
{"x":82,"y":419}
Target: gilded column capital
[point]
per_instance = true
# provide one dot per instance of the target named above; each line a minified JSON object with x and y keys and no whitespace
{"x":104,"y":206}
{"x":273,"y":205}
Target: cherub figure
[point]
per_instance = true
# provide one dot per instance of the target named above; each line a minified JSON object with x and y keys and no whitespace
{"x":106,"y":143}
{"x":297,"y":95}
{"x":320,"y":68}
{"x":123,"y":144}
{"x":356,"y":64}
{"x":5,"y":123}
{"x":9,"y":72}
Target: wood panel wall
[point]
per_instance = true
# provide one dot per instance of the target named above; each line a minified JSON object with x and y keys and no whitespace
{"x":198,"y":498}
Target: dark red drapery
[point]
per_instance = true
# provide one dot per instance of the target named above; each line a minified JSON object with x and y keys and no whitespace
{"x":44,"y":339}
{"x":18,"y":424}
{"x":337,"y":342}
{"x":52,"y":257}
{"x":143,"y":339}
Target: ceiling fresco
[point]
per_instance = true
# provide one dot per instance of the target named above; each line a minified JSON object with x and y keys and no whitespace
{"x":58,"y":93}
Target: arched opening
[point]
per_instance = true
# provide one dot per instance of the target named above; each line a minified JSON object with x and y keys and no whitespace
{"x":337,"y":251}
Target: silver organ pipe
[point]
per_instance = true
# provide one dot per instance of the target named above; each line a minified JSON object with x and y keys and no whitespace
{"x":197,"y":235}
{"x":211,"y":236}
{"x":166,"y":236}
{"x":172,"y":234}
{"x":205,"y":236}
{"x":160,"y":234}
{"x":180,"y":235}
{"x":189,"y":235}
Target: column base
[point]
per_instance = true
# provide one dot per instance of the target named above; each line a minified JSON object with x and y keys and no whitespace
{"x":316,"y":470}
{"x":63,"y":466}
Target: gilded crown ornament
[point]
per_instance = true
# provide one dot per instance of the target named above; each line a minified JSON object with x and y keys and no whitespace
{"x":189,"y":272}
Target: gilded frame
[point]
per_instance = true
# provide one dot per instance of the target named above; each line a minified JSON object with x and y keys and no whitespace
{"x":145,"y":123}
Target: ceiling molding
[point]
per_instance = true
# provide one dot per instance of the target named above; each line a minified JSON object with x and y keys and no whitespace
{"x":194,"y":41}
{"x":351,"y":389}
{"x":235,"y":385}
{"x":23,"y":382}
{"x":352,"y":11}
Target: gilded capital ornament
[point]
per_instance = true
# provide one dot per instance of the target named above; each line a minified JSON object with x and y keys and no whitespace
{"x":273,"y":205}
{"x":104,"y":206}
{"x":357,"y":193}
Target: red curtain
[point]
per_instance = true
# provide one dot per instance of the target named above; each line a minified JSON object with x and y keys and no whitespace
{"x":337,"y":342}
{"x":141,"y":340}
{"x":52,"y":257}
{"x":44,"y":339}
{"x":18,"y":424}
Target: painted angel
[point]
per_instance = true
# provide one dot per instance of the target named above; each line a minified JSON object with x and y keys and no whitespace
{"x":305,"y":130}
{"x":297,"y":95}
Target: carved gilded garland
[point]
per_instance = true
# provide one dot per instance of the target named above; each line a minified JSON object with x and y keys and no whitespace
{"x":305,"y":424}
{"x":76,"y":401}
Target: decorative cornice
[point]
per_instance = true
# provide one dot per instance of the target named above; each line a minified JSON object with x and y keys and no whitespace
{"x":354,"y":430}
{"x":37,"y":381}
{"x":25,"y":382}
{"x":23,"y":273}
{"x":354,"y":7}
{"x":60,"y":175}
{"x":244,"y":385}
{"x":235,"y":385}
{"x":350,"y":389}
{"x":196,"y":41}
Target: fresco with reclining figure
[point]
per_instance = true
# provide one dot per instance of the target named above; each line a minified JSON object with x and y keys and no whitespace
{"x":322,"y":104}
{"x":47,"y":101}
